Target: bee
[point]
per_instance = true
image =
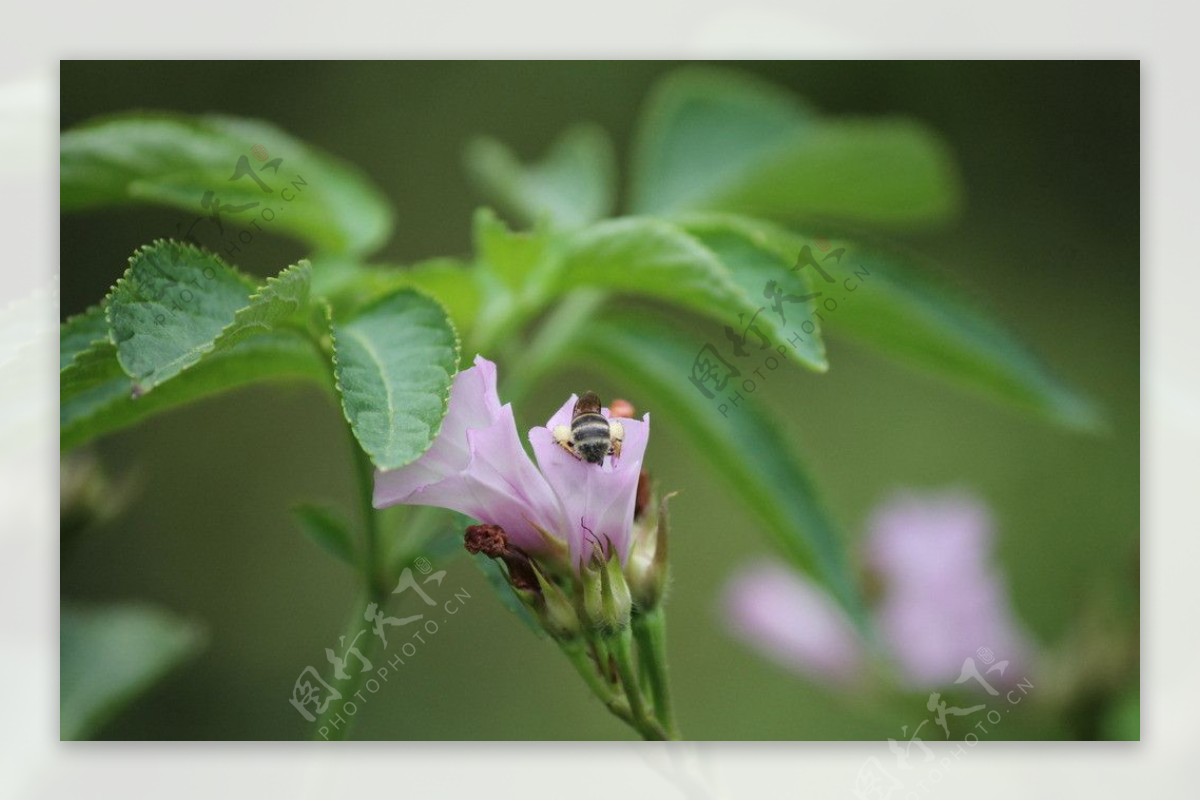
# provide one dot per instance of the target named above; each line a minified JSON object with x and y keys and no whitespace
{"x":591,"y":436}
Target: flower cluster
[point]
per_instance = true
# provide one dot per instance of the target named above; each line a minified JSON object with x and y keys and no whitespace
{"x":939,"y":600}
{"x":583,"y":545}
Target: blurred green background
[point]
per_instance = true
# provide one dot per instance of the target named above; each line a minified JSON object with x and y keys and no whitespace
{"x":1047,"y":242}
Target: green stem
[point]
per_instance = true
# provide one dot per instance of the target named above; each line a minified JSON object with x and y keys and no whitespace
{"x":651,"y":633}
{"x":374,"y":591}
{"x":372,"y":577}
{"x":355,"y":676}
{"x":582,"y":660}
{"x":646,"y":725}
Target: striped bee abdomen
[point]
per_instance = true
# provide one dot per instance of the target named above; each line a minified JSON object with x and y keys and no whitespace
{"x":590,"y":435}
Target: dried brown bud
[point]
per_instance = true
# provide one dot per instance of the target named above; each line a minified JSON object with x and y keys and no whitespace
{"x":642,"y":499}
{"x":491,"y":541}
{"x":486,"y":539}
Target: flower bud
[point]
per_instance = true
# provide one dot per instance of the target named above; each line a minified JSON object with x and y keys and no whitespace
{"x":555,"y":612}
{"x":647,"y":567}
{"x":607,"y":601}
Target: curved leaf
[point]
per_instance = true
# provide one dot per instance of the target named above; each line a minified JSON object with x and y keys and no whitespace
{"x":97,"y":397}
{"x":79,"y":333}
{"x":327,"y":527}
{"x":886,"y":299}
{"x":394,"y":362}
{"x":671,"y":265}
{"x":110,"y":655}
{"x":711,"y":139}
{"x":176,"y":303}
{"x":238,"y":169}
{"x":702,"y":129}
{"x":573,"y":185}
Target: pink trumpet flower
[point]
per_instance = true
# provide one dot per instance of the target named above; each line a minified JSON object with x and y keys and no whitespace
{"x":478,"y":467}
{"x":941,"y":602}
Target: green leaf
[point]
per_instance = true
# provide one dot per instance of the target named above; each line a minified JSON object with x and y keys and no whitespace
{"x":328,"y":529}
{"x":654,"y":258}
{"x":573,"y":185}
{"x":701,"y":130}
{"x":79,"y":333}
{"x":892,"y":171}
{"x":394,"y":362}
{"x":888,"y":300}
{"x":97,"y":397}
{"x":785,"y":299}
{"x":452,"y":282}
{"x":715,"y":140}
{"x":281,"y":301}
{"x":111,"y":655}
{"x":511,"y":256}
{"x":177,"y":303}
{"x":744,"y":445}
{"x":193,"y":163}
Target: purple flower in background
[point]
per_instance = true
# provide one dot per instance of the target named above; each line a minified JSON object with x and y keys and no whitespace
{"x":793,"y":621}
{"x":940,"y":602}
{"x":478,"y":467}
{"x":942,"y":598}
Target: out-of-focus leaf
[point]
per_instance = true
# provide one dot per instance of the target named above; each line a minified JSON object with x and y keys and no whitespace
{"x":654,"y":258}
{"x":785,"y":297}
{"x":892,"y":171}
{"x":110,"y":655}
{"x":451,"y":282}
{"x":252,"y":171}
{"x":79,"y":333}
{"x":743,"y":445}
{"x":571,"y":186}
{"x":885,"y":299}
{"x":701,"y":130}
{"x":512,"y":256}
{"x":97,"y":397}
{"x":715,"y":140}
{"x":328,"y":529}
{"x":395,"y":361}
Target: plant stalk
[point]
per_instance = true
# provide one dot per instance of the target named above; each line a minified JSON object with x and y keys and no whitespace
{"x":650,"y":631}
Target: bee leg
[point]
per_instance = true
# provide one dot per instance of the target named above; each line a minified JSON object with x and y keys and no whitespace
{"x":616,"y":433}
{"x":562,"y":435}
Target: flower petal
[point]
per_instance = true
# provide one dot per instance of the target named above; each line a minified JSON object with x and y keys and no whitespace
{"x":784,"y":615}
{"x":500,"y":471}
{"x":943,"y":602}
{"x":598,"y":500}
{"x":474,"y":404}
